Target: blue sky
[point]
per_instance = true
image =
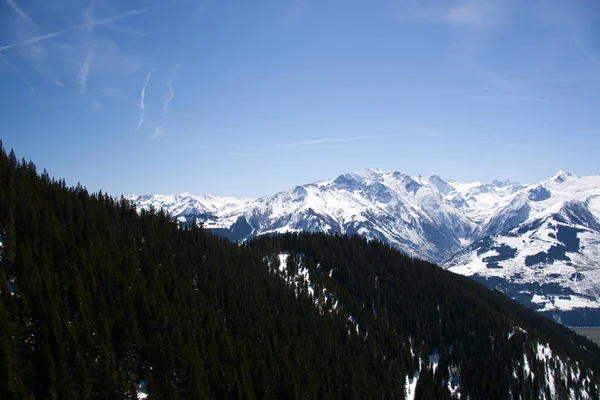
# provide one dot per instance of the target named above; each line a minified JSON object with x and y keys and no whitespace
{"x":246,"y":98}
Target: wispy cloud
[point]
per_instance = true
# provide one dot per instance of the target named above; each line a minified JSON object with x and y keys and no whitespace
{"x":158,"y":131}
{"x":314,"y":142}
{"x":501,"y":82}
{"x":254,"y":151}
{"x":8,"y":64}
{"x":475,"y":14}
{"x":170,"y":96}
{"x":88,"y":18}
{"x":140,"y":121}
{"x":586,"y":52}
{"x":294,"y":13}
{"x":23,"y":26}
{"x":15,"y":7}
{"x":128,"y":14}
{"x":88,"y":25}
{"x":503,"y":96}
{"x":84,"y":71}
{"x":35,"y":39}
{"x":516,"y":146}
{"x":430,"y":132}
{"x":238,"y":154}
{"x":96,"y":105}
{"x":581,"y":79}
{"x":142,"y":99}
{"x":143,"y":94}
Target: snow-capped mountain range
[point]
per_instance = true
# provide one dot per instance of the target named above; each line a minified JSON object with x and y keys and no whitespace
{"x":539,"y":243}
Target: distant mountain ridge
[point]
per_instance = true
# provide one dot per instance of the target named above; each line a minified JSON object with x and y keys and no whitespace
{"x":498,"y":233}
{"x":101,"y":300}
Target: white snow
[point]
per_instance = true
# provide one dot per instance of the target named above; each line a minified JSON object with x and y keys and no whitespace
{"x":474,"y":266}
{"x":580,"y":273}
{"x":554,"y":369}
{"x":594,"y":205}
{"x":434,"y":359}
{"x":564,"y":302}
{"x":526,"y":367}
{"x":283,"y":261}
{"x":454,"y":381}
{"x":411,"y":386}
{"x":300,"y":276}
{"x":142,"y":392}
{"x":464,"y":242}
{"x":544,"y":354}
{"x":402,"y":210}
{"x":353,"y":320}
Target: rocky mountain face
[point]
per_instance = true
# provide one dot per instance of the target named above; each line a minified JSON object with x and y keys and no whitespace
{"x":539,"y":243}
{"x":543,"y":249}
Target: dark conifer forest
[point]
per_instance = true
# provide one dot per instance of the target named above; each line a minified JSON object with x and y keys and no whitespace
{"x":97,"y":299}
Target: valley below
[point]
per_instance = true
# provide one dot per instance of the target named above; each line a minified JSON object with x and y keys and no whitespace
{"x":591,"y":333}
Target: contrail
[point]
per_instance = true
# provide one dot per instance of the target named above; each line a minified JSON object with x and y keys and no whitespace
{"x":143,"y":95}
{"x":87,"y":25}
{"x":85,"y":71}
{"x":15,"y":7}
{"x":88,"y":17}
{"x":587,"y":53}
{"x":140,"y":121}
{"x":126,"y":14}
{"x":512,"y":96}
{"x":307,"y":143}
{"x":37,"y":39}
{"x":157,"y":133}
{"x":170,"y":95}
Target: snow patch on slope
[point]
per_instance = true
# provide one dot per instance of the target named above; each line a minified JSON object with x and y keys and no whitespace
{"x":437,"y":220}
{"x":411,"y":386}
{"x":298,"y":275}
{"x":142,"y":391}
{"x":556,"y":371}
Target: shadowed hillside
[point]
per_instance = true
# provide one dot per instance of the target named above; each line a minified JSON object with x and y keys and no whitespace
{"x":100,"y":301}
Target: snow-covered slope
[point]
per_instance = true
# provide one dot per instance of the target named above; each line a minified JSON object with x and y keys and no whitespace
{"x":423,"y":216}
{"x":546,"y":234}
{"x":543,"y":248}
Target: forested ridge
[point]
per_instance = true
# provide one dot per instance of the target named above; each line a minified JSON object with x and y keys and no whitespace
{"x":97,"y":298}
{"x":478,"y":333}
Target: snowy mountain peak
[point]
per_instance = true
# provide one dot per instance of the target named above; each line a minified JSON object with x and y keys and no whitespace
{"x":562,"y":175}
{"x":404,"y":182}
{"x":502,"y":184}
{"x":349,"y":182}
{"x":371,"y":173}
{"x":441,"y":185}
{"x":507,"y":235}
